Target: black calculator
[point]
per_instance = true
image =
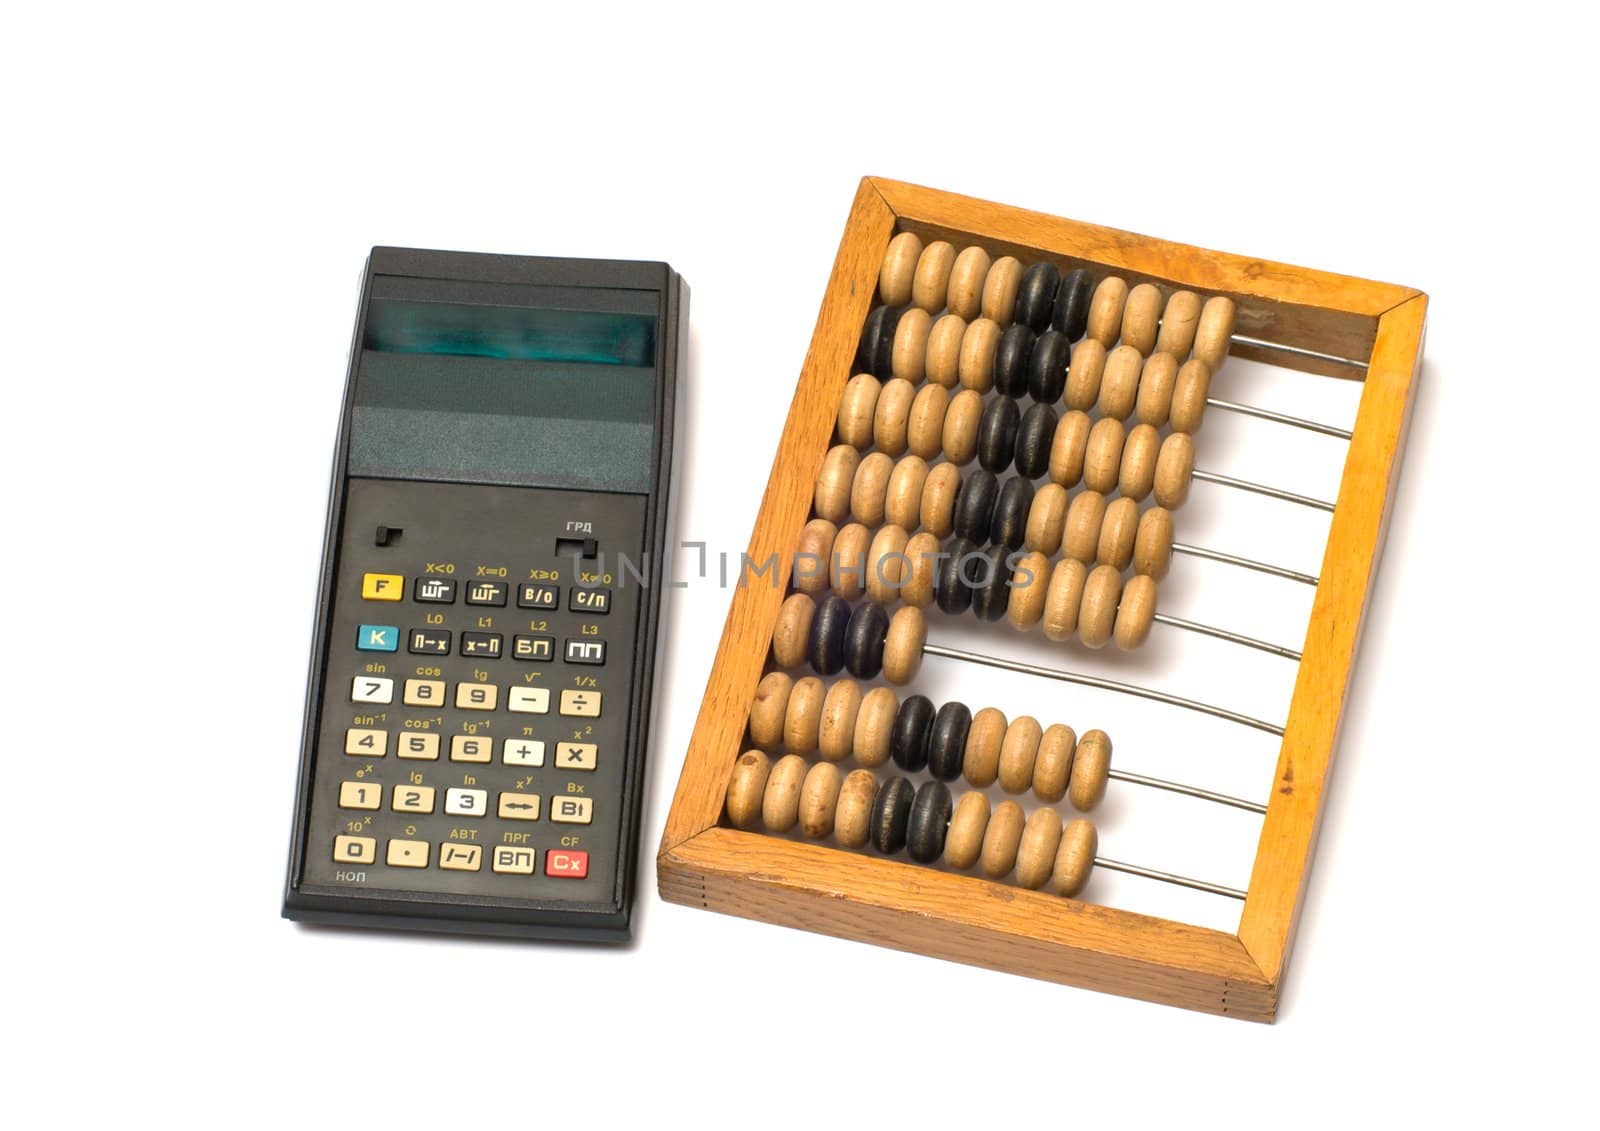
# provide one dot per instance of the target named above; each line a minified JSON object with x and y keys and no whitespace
{"x":479,"y":701}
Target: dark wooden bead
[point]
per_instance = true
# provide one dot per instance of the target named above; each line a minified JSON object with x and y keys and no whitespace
{"x":1034,"y":436}
{"x":950,"y":591}
{"x":997,"y":434}
{"x":864,"y":637}
{"x":867,"y":350}
{"x":928,"y":821}
{"x":908,"y":745}
{"x":1047,"y":367}
{"x":1036,"y":295}
{"x":1010,"y":524}
{"x":991,"y":584}
{"x":975,"y":504}
{"x":1011,"y":360}
{"x":825,"y":647}
{"x":947,"y":740}
{"x":891,"y":813}
{"x":883,"y":358}
{"x":1071,"y":314}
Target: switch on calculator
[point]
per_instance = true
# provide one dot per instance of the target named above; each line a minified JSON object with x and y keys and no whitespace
{"x":479,"y":700}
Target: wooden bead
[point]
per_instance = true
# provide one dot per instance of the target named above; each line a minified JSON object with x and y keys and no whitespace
{"x":871,"y":335}
{"x":899,"y":269}
{"x":929,"y":820}
{"x":1119,"y":384}
{"x":1080,"y":538}
{"x":791,"y":632}
{"x":1097,"y":615}
{"x":768,"y":708}
{"x":865,"y":635}
{"x":1011,"y":360}
{"x":975,"y":369}
{"x":847,"y":569}
{"x":1018,"y":750}
{"x":870,"y":488}
{"x":837,"y":733}
{"x":1070,"y":314}
{"x":1001,"y":840}
{"x":1118,"y":531}
{"x":922,"y":556}
{"x":1135,"y":612}
{"x":1029,"y":581}
{"x":1084,"y":372}
{"x":1069,"y":447}
{"x":1053,"y":767}
{"x":1152,"y":546}
{"x":961,"y":420}
{"x":975,"y":505}
{"x":925,"y":426}
{"x":964,"y":841}
{"x":819,"y":796}
{"x":887,"y":565}
{"x":746,"y":788}
{"x":1102,"y":459}
{"x":1009,"y":525}
{"x":908,"y":744}
{"x":902,"y":500}
{"x":1174,"y":469}
{"x":947,"y":740}
{"x":1036,"y":855}
{"x":1091,"y":770}
{"x":1046,"y":519}
{"x":1047,"y":367}
{"x":891,"y":813}
{"x":1000,"y":290}
{"x":780,"y":803}
{"x":1189,"y":393}
{"x":990,"y":587}
{"x":802,"y":721}
{"x":939,"y":491}
{"x":1036,"y":296}
{"x":1137,"y":475}
{"x":1074,"y":857}
{"x":1214,"y":334}
{"x":910,"y":358}
{"x":875,"y":726}
{"x":1141,"y":317}
{"x":1034,"y":436}
{"x":902,"y":653}
{"x":1157,"y":381}
{"x":892,"y":416}
{"x":944,"y":349}
{"x":852,"y":813}
{"x":980,"y":762}
{"x":967,"y":276}
{"x":883,"y":357}
{"x":832,"y":498}
{"x":1178,"y":323}
{"x":812,"y":555}
{"x":997,"y":434}
{"x":931,"y":282}
{"x":825,"y":647}
{"x":1064,"y":598}
{"x":856,"y":409}
{"x":1105,"y":310}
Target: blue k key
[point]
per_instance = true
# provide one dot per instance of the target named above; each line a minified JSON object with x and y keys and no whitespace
{"x":378,"y":638}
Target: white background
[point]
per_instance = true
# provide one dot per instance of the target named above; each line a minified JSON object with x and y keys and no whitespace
{"x":191,"y":194}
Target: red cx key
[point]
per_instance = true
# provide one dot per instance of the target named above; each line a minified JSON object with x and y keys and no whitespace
{"x":569,"y":864}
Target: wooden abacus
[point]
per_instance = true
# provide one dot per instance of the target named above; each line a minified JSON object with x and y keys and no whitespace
{"x":943,"y":312}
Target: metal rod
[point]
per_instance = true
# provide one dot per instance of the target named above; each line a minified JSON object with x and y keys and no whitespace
{"x":1231,"y":637}
{"x":1278,"y":417}
{"x":1103,"y":684}
{"x":1299,"y":351}
{"x":1168,"y":878}
{"x":1261,"y":489}
{"x":1187,"y":790}
{"x":1247,"y":563}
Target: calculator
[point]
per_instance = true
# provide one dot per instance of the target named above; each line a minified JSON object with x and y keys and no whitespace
{"x":478,"y":707}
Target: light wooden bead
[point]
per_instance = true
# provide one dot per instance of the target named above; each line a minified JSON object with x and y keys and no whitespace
{"x":887,"y":565}
{"x":939,"y":492}
{"x":964,"y":842}
{"x":1119,"y":384}
{"x":967,"y":276}
{"x":1064,"y":598}
{"x":1214,"y":335}
{"x":1137,"y":475}
{"x":1091,"y":770}
{"x":899,"y":269}
{"x":1001,"y":840}
{"x":910,"y":357}
{"x":852,"y":813}
{"x":1105,"y":310}
{"x":893,"y":416}
{"x":1053,"y":767}
{"x":1141,"y":317}
{"x":832,"y":498}
{"x":837,"y":735}
{"x":1000,"y":290}
{"x":1029,"y":582}
{"x":819,"y":797}
{"x":961,"y":420}
{"x":1157,"y":381}
{"x":813,"y":554}
{"x":1178,"y":324}
{"x":847,"y":571}
{"x":931,"y":282}
{"x":1036,"y":855}
{"x":1074,"y":857}
{"x":1152,"y":547}
{"x":1174,"y":469}
{"x":1018,"y":751}
{"x":856,"y":410}
{"x":975,"y":370}
{"x":980,"y":761}
{"x":1189,"y":395}
{"x":922,"y":551}
{"x":1118,"y":531}
{"x":1135,"y":612}
{"x":768,"y":708}
{"x":802,"y":722}
{"x":1102,"y":460}
{"x":875,"y":726}
{"x":1047,"y":517}
{"x":870,"y":489}
{"x":944,"y":349}
{"x":925,"y":427}
{"x":902,"y":501}
{"x":780,"y":804}
{"x":1097,"y":616}
{"x":1080,"y":538}
{"x":746,"y":788}
{"x":902,"y":652}
{"x":1068,"y":448}
{"x":1084,"y":374}
{"x":792,"y":631}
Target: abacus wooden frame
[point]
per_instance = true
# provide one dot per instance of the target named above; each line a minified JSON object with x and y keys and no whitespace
{"x":704,"y":863}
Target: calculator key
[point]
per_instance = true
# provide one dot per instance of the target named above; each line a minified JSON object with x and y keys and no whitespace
{"x":583,"y":704}
{"x":428,"y":642}
{"x":466,"y":802}
{"x":434,"y":591}
{"x":535,"y":595}
{"x":382,"y":587}
{"x":471,"y":748}
{"x":360,"y":795}
{"x":519,"y":807}
{"x":529,"y":700}
{"x":566,"y":863}
{"x":485,"y":645}
{"x":420,"y":746}
{"x":423,"y":693}
{"x":585,"y":600}
{"x":522,"y":752}
{"x":538,"y":649}
{"x":407,"y":854}
{"x":486,"y":593}
{"x":355,"y":849}
{"x":586,"y":651}
{"x":378,"y":638}
{"x":517,"y":861}
{"x":460,"y":857}
{"x":412,"y":799}
{"x":366,"y":743}
{"x":576,"y":755}
{"x":477,"y":696}
{"x":371,"y":689}
{"x":572,"y":810}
